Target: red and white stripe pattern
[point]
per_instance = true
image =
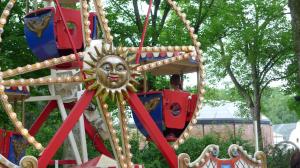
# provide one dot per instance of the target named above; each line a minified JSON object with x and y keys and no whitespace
{"x":24,"y":90}
{"x":159,"y":54}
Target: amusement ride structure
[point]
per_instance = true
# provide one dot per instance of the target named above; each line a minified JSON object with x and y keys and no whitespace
{"x":84,"y":68}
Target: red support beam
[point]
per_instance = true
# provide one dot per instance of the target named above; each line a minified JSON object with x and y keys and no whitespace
{"x":65,"y":129}
{"x":152,"y":129}
{"x":42,"y":117}
{"x":96,"y":139}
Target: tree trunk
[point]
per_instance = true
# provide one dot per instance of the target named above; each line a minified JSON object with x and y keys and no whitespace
{"x":295,"y":13}
{"x":257,"y":117}
{"x":257,"y":109}
{"x":259,"y":132}
{"x":138,"y":21}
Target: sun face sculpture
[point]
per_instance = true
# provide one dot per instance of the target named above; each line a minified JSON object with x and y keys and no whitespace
{"x":111,"y":73}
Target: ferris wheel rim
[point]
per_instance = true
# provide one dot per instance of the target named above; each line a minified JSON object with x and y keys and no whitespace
{"x":200,"y":74}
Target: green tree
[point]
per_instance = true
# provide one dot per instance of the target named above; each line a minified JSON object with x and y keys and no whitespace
{"x":294,"y":81}
{"x":152,"y":158}
{"x":276,"y":106}
{"x":252,"y":48}
{"x":127,"y":19}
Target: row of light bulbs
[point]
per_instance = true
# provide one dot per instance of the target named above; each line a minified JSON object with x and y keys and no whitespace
{"x":166,"y":61}
{"x":40,"y":65}
{"x":103,"y":21}
{"x":158,"y":49}
{"x":125,"y":134}
{"x":86,"y":22}
{"x":200,"y":60}
{"x":114,"y":138}
{"x":42,"y":81}
{"x":4,"y":16}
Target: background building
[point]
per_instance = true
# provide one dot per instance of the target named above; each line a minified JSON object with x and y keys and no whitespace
{"x":224,"y":120}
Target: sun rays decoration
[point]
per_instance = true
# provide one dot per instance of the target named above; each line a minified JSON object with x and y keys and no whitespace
{"x":111,"y":73}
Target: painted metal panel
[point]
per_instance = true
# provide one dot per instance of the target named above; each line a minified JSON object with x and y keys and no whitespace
{"x":73,"y":20}
{"x":153,"y":101}
{"x":40,"y":34}
{"x":175,"y":108}
{"x":17,"y":148}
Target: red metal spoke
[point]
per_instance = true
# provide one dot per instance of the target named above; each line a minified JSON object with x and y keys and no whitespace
{"x":138,"y":54}
{"x":152,"y":129}
{"x":42,"y":117}
{"x":96,"y":139}
{"x":66,"y":127}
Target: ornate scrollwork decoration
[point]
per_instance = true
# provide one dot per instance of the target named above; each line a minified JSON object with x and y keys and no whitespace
{"x":183,"y":160}
{"x":29,"y":162}
{"x":238,"y":151}
{"x":209,"y":156}
{"x":209,"y":151}
{"x":261,"y":156}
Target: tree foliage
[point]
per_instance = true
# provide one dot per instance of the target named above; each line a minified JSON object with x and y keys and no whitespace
{"x":151,"y":158}
{"x":252,"y":48}
{"x":276,"y":106}
{"x":294,"y":81}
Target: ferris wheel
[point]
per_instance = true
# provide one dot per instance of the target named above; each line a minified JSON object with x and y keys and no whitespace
{"x":84,"y":68}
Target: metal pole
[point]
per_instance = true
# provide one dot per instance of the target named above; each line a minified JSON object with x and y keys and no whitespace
{"x":255,"y":135}
{"x":71,"y":137}
{"x":83,"y":140}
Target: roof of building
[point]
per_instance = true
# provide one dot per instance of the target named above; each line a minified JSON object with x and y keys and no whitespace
{"x":226,"y":112}
{"x":284,"y":129}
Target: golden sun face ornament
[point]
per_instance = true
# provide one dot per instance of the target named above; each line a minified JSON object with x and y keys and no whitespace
{"x":111,"y":74}
{"x":112,"y":71}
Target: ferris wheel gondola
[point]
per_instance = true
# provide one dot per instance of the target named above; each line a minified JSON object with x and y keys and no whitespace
{"x":171,"y":109}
